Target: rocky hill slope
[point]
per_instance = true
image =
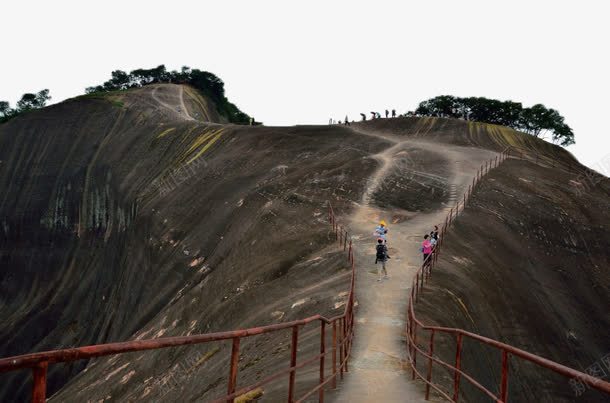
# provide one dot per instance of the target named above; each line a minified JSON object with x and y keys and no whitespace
{"x":142,"y":214}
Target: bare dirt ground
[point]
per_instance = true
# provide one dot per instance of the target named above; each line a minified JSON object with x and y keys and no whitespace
{"x":378,"y":369}
{"x":172,"y":99}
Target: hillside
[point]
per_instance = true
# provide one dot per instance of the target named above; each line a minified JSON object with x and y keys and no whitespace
{"x":527,"y":263}
{"x":124,"y":216}
{"x":142,"y":213}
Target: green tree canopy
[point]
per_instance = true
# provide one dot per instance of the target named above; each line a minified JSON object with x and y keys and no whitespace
{"x":537,"y":120}
{"x":33,"y":101}
{"x":206,"y":82}
{"x":27,"y":102}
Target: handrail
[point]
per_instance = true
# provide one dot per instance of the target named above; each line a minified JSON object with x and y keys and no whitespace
{"x":99,"y":350}
{"x":342,"y":336}
{"x":423,"y":275}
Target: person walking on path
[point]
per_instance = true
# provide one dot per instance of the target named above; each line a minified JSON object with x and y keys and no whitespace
{"x":433,"y":240}
{"x":393,"y":113}
{"x":363,"y":116}
{"x":381,"y":230}
{"x":381,"y":257}
{"x":426,"y":248}
{"x":387,"y":113}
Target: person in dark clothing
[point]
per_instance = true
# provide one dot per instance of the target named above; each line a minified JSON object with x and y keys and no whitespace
{"x":393,"y":113}
{"x":373,"y":116}
{"x":387,"y":113}
{"x":381,"y":257}
{"x":363,"y":116}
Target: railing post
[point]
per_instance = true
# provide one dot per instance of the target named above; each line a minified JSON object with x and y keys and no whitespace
{"x":322,"y":352}
{"x":429,"y":377}
{"x":340,"y":341}
{"x":346,"y":342}
{"x":504,"y":384}
{"x":39,"y":387}
{"x":417,"y":287}
{"x":293,"y":362}
{"x":413,"y":290}
{"x":414,"y":363}
{"x":234,"y":367}
{"x":458,"y":366}
{"x":350,"y":250}
{"x":334,"y":354}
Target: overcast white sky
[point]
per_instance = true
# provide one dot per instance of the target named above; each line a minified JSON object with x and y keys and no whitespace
{"x":288,"y":62}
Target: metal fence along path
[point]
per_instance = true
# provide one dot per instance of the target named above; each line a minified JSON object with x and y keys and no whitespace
{"x":425,"y":349}
{"x":339,"y":329}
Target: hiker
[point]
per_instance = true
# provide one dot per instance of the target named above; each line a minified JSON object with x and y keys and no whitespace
{"x":381,"y":232}
{"x":363,"y":116}
{"x":433,"y":239}
{"x":426,"y":248}
{"x":435,"y":232}
{"x":393,"y":113}
{"x":373,"y":116}
{"x":378,"y":115}
{"x":381,"y":257}
{"x":387,"y":113}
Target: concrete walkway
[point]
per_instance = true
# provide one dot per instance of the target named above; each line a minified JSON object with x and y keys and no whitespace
{"x":378,"y":368}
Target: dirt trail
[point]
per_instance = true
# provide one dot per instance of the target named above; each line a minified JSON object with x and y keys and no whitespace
{"x":177,"y":96}
{"x":378,"y":370}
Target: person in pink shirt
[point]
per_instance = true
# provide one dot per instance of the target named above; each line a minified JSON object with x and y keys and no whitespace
{"x":426,"y":247}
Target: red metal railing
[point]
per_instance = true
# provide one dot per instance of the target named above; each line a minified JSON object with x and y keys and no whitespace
{"x":507,"y":351}
{"x":342,"y":335}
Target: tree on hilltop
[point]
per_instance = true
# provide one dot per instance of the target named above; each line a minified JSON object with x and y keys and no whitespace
{"x":207,"y":83}
{"x":27,"y":102}
{"x":537,"y":120}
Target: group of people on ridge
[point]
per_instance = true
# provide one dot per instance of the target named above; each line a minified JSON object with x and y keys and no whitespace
{"x":382,"y":256}
{"x":374,"y":115}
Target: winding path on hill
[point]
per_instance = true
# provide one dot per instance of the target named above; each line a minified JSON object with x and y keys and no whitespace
{"x":378,"y":368}
{"x":178,"y":100}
